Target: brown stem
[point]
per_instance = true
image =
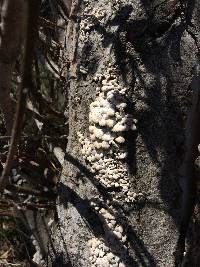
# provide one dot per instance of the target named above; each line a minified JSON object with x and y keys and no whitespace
{"x":30,"y":191}
{"x":12,"y":33}
{"x":187,"y":170}
{"x":47,"y":23}
{"x":33,"y":8}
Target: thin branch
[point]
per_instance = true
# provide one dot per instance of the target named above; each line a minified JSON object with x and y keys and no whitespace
{"x":12,"y":33}
{"x":63,"y":7}
{"x":30,"y":110}
{"x":45,"y":103}
{"x":187,"y":171}
{"x":9,"y":204}
{"x":33,"y":9}
{"x":47,"y":23}
{"x":35,"y":137}
{"x":30,"y":191}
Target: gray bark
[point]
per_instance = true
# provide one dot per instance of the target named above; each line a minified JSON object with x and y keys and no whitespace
{"x":149,"y":51}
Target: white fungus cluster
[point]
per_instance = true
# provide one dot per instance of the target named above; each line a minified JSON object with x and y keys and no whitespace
{"x":104,"y":151}
{"x":89,"y":18}
{"x":110,"y":251}
{"x":84,"y":30}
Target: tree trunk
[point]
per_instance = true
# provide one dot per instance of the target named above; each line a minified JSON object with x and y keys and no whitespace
{"x":130,"y":67}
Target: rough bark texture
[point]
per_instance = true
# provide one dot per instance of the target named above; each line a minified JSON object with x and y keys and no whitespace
{"x":148,"y":44}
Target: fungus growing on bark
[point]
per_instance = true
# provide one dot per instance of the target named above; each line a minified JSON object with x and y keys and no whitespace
{"x":104,"y":151}
{"x":109,"y":121}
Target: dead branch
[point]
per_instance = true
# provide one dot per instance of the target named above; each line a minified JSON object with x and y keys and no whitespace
{"x":33,"y":9}
{"x":187,"y":170}
{"x":47,"y":23}
{"x":30,"y":191}
{"x":12,"y":33}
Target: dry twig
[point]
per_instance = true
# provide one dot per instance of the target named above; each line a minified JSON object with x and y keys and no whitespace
{"x":33,"y":9}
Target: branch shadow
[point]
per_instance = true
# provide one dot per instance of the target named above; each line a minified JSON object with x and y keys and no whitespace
{"x":161,"y":125}
{"x":157,"y":45}
{"x":96,"y":221}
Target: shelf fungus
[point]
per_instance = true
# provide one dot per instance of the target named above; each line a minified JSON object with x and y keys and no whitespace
{"x":104,"y":151}
{"x":108,"y":123}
